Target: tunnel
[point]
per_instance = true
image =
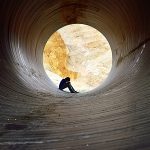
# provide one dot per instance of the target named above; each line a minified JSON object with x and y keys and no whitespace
{"x":35,"y":115}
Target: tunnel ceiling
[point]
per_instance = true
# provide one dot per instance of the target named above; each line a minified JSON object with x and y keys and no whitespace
{"x":35,"y":115}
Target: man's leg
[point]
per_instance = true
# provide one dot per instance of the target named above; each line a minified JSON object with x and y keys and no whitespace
{"x":72,"y":90}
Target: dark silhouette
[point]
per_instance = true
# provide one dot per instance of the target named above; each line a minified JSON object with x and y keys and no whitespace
{"x":65,"y":83}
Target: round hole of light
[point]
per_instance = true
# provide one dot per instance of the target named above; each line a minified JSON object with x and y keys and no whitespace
{"x":80,"y":52}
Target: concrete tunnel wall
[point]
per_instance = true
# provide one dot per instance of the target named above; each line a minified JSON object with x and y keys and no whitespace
{"x":35,"y":115}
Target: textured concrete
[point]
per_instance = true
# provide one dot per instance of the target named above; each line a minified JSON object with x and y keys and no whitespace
{"x":34,"y":115}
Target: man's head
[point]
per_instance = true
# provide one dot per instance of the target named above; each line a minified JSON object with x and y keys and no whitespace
{"x":67,"y":79}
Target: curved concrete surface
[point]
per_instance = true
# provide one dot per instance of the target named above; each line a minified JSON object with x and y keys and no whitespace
{"x":35,"y":115}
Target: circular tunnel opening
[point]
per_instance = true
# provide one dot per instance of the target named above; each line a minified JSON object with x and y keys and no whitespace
{"x":80,"y":52}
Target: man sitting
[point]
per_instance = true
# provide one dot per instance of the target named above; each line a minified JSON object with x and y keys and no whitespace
{"x":65,"y":83}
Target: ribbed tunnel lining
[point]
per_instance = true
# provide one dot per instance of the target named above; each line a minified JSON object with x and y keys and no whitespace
{"x":114,"y":116}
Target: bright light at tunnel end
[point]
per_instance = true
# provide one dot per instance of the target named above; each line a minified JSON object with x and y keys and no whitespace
{"x":80,"y":52}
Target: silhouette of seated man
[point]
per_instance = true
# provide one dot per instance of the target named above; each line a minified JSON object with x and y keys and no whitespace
{"x":65,"y":83}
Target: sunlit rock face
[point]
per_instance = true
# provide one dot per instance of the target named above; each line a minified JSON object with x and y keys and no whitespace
{"x":79,"y":52}
{"x":56,"y":57}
